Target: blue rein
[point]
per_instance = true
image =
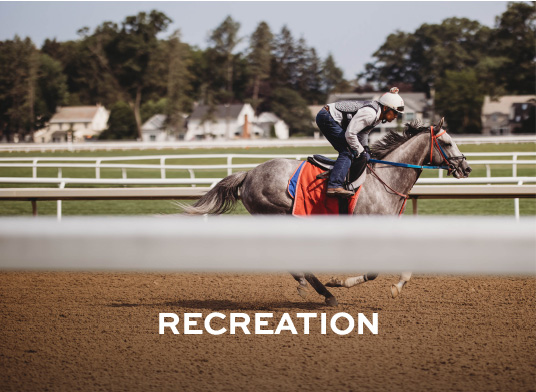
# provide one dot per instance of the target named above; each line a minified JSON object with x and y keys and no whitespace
{"x":407,"y":165}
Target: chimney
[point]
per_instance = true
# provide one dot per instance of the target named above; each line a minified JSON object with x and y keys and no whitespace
{"x":245,"y":134}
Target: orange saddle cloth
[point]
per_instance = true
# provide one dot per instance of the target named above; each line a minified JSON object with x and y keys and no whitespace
{"x":309,"y":193}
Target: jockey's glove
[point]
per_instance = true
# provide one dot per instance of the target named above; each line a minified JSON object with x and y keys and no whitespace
{"x":366,"y":153}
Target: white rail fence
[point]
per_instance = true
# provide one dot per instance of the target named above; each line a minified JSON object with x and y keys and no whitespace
{"x":98,"y":163}
{"x":271,"y":244}
{"x":239,"y":143}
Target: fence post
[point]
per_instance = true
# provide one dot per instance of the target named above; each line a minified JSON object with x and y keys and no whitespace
{"x":58,"y":203}
{"x":97,"y":169}
{"x":163,"y":167}
{"x":34,"y":168}
{"x":229,"y":163}
{"x":514,"y":166}
{"x":192,"y":175}
{"x":516,"y":204}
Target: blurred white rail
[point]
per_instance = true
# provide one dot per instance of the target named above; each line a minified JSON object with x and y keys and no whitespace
{"x":455,"y":245}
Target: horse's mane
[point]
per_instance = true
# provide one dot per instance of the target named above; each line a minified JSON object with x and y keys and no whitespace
{"x":394,"y":140}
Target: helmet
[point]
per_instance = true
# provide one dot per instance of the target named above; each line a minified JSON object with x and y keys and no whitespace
{"x":392,"y":100}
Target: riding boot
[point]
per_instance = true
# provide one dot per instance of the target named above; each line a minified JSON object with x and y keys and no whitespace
{"x":338,"y":175}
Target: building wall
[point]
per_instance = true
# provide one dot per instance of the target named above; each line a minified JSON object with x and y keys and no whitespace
{"x":221,"y":128}
{"x":81,"y":130}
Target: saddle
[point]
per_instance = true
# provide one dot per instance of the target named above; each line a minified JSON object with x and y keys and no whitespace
{"x":356,"y":175}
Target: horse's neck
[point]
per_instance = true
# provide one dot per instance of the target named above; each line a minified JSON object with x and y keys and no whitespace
{"x":377,"y":199}
{"x":414,"y":152}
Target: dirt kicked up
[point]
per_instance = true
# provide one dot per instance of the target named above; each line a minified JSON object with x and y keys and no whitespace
{"x":97,"y":331}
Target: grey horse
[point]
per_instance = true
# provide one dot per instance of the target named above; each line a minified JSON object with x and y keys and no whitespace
{"x":263,"y":190}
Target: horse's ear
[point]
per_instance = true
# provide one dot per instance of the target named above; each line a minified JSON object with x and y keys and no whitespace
{"x":440,"y":123}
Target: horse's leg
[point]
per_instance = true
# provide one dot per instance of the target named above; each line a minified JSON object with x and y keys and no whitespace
{"x":302,"y":287}
{"x":353,"y":281}
{"x":321,"y":289}
{"x":397,"y":288}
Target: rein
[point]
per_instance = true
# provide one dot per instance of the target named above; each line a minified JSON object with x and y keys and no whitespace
{"x":407,"y":165}
{"x":406,"y":197}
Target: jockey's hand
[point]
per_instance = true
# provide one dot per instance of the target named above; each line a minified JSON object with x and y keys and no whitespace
{"x":366,"y":154}
{"x":367,"y":149}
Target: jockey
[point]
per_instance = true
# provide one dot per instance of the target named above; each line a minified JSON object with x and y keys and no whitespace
{"x":347,"y":124}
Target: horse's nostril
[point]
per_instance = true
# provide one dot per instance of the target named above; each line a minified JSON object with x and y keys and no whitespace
{"x":468,"y":170}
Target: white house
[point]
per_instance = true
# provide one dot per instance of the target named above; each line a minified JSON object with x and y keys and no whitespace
{"x":500,"y":116}
{"x":220,"y":122}
{"x":74,"y":123}
{"x":156,"y":130}
{"x":233,"y":121}
{"x":268,"y":121}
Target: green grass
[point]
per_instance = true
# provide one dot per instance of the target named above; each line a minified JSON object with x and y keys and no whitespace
{"x":148,"y":207}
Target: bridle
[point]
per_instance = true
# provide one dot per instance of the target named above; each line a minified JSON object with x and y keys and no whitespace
{"x":451,"y":167}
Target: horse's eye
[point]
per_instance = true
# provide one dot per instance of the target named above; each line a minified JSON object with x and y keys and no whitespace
{"x":448,"y":144}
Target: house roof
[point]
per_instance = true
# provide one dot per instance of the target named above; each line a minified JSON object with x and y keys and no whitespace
{"x":72,"y":114}
{"x":220,"y":111}
{"x":503,"y":104}
{"x":154,"y":123}
{"x":415,"y":101}
{"x":267,"y":117}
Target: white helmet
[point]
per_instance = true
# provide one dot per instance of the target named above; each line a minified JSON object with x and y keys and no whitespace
{"x":392,"y":100}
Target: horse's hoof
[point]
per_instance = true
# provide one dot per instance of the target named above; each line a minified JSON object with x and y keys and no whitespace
{"x":332,"y":301}
{"x":303,"y":291}
{"x":394,"y":291}
{"x":334,"y":282}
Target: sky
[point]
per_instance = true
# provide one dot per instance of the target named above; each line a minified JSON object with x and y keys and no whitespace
{"x":349,"y":30}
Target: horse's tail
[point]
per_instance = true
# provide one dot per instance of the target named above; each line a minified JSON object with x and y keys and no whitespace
{"x":219,"y":199}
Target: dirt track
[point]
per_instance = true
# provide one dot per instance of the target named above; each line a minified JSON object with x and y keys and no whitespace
{"x":72,"y":331}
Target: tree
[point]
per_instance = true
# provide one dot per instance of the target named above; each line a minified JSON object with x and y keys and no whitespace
{"x":169,"y":77}
{"x":292,"y":108}
{"x":332,"y":75}
{"x":51,"y":90}
{"x":150,"y":108}
{"x":308,"y":73}
{"x":422,"y":57}
{"x":121,"y":123}
{"x":283,"y":72}
{"x":514,"y":41}
{"x":124,"y":55}
{"x":18,"y":70}
{"x":259,"y":58}
{"x":31,"y":86}
{"x":459,"y":98}
{"x":224,"y":40}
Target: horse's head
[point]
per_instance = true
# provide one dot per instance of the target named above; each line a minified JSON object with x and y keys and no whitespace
{"x":444,"y":151}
